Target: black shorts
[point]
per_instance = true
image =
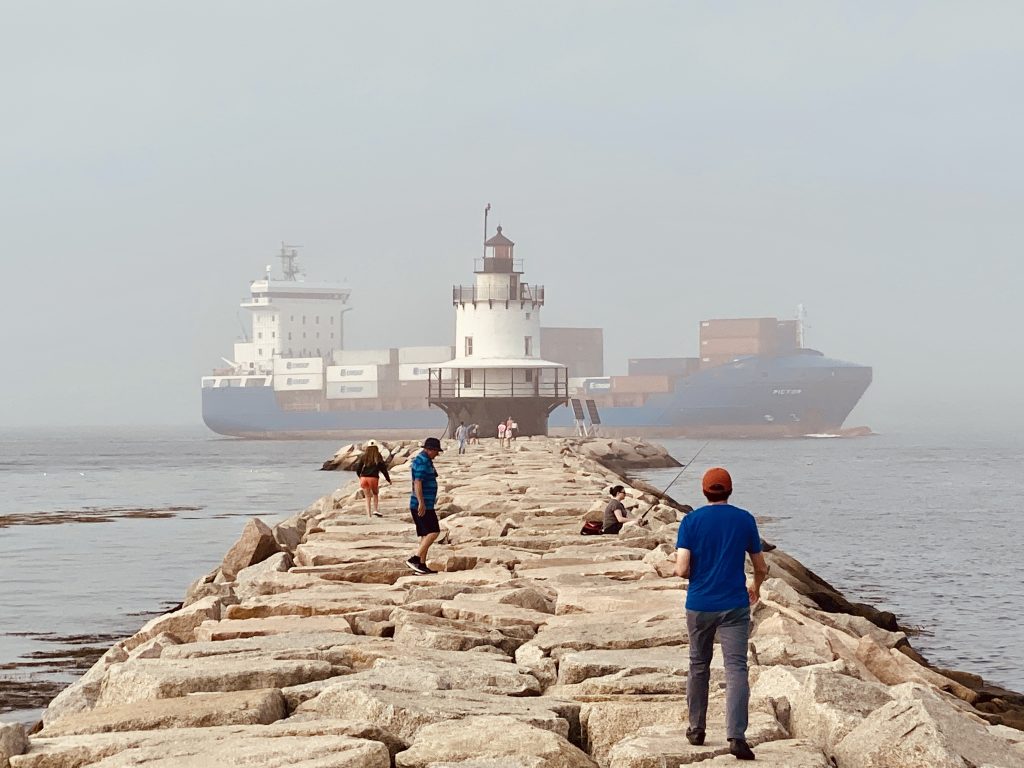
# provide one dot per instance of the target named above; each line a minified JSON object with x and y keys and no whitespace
{"x":426,"y":524}
{"x":613,"y":528}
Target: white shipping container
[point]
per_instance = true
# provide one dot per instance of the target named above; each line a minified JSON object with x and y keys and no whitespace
{"x":356,"y":372}
{"x":338,"y":390}
{"x":420,"y":372}
{"x":365,"y":356}
{"x":298,"y":382}
{"x":425,"y":354}
{"x":298,"y":365}
{"x":414,"y":371}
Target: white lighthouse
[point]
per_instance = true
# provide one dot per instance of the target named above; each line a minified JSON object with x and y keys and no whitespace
{"x":498,"y":371}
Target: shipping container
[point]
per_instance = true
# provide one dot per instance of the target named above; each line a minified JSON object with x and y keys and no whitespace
{"x":640,"y":384}
{"x":737,"y":346}
{"x":296,"y":365}
{"x":365,"y":356}
{"x":663,"y":366}
{"x":339,"y":390}
{"x":597,"y":384}
{"x":360,"y":372}
{"x":713,"y":361}
{"x":298,"y":382}
{"x":429,"y":355}
{"x":741,"y":327}
{"x":581,"y":350}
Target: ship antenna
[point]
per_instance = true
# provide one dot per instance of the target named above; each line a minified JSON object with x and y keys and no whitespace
{"x":801,"y":318}
{"x":289,"y":256}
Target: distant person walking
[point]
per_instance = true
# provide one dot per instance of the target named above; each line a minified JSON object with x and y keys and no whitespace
{"x":501,"y":434}
{"x":474,"y":434}
{"x":368,"y":468}
{"x":421,"y":504}
{"x":711,"y":547}
{"x":513,"y":426}
{"x":462,"y":435}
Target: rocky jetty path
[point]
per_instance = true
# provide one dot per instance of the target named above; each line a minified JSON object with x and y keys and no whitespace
{"x":313,"y":645}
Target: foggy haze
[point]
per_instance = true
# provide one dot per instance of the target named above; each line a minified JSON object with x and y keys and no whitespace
{"x":656,"y":163}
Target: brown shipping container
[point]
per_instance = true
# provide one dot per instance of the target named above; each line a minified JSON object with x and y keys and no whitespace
{"x":663,"y":366}
{"x":741,"y":327}
{"x":714,"y":361}
{"x":640,"y":384}
{"x":734,"y":347}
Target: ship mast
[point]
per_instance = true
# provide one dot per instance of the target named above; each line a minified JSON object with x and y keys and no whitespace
{"x":801,"y":317}
{"x":289,"y":256}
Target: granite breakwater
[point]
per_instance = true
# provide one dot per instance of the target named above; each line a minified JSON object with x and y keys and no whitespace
{"x":311,"y":644}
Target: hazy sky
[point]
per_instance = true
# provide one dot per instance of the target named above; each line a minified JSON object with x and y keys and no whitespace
{"x":657,"y":163}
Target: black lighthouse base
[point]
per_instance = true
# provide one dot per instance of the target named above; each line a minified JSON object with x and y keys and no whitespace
{"x":530,"y":413}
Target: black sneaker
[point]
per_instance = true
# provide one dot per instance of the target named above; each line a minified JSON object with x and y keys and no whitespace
{"x":423,"y":569}
{"x":695,"y":736}
{"x":414,"y":564}
{"x":739,"y":749}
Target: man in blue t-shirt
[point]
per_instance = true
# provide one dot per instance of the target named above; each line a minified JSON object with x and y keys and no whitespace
{"x":422,"y":501}
{"x":711,"y":548}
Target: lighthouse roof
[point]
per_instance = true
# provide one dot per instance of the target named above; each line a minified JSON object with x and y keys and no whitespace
{"x":499,"y":239}
{"x":476,"y":363}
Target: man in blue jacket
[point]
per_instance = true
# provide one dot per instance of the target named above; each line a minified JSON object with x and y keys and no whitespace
{"x":711,"y":550}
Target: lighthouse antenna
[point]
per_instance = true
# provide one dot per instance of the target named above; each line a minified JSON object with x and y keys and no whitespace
{"x":487,"y":209}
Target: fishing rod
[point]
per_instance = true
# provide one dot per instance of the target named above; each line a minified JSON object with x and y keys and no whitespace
{"x":674,"y":479}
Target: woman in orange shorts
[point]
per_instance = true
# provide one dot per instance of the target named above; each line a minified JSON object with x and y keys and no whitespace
{"x":369,"y":467}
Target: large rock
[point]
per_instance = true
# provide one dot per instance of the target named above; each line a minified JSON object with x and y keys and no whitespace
{"x":418,"y":630}
{"x":81,"y":695}
{"x":655,"y":745}
{"x":672,"y":749}
{"x":404,"y":712}
{"x":323,"y":744}
{"x":922,"y":728}
{"x":197,"y":710}
{"x":830,"y":705}
{"x":475,"y":739}
{"x":144,"y":679}
{"x":180,"y":624}
{"x":255,"y":545}
{"x":665,"y":659}
{"x":13,"y":741}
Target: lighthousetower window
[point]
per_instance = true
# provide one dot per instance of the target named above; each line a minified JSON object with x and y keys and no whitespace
{"x":469,"y":346}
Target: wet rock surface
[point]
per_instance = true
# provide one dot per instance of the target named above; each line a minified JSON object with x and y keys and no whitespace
{"x":314,"y":644}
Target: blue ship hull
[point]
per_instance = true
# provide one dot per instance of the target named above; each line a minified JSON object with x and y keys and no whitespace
{"x":798,"y":394}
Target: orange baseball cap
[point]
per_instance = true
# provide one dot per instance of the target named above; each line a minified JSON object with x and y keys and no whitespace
{"x":717,"y":480}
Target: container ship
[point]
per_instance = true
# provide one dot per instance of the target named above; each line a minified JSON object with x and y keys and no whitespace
{"x":292,"y":375}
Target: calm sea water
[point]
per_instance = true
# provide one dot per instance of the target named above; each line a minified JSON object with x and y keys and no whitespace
{"x":927,"y":527}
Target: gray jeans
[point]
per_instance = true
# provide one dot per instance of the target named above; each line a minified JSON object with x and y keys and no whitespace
{"x":733,"y":629}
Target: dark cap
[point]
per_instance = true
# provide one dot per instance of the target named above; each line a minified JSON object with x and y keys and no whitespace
{"x":433,"y":444}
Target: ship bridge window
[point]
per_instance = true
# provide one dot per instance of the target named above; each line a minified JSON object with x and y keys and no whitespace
{"x":317,"y":318}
